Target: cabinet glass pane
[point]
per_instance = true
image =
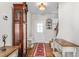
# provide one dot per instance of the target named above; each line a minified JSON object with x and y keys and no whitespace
{"x":18,"y":13}
{"x":17,"y":39}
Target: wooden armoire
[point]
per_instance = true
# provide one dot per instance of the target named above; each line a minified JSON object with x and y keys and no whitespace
{"x":19,"y":11}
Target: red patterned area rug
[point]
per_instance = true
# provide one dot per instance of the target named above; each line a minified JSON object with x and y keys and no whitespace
{"x":40,"y":50}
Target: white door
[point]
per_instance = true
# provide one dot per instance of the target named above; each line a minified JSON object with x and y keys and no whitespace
{"x":39,"y":32}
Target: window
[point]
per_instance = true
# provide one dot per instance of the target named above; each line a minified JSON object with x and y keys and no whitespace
{"x":39,"y":27}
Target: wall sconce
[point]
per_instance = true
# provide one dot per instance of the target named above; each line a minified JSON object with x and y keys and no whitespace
{"x":5,"y":17}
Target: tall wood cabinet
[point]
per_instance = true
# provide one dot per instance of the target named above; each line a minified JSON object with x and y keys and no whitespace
{"x":19,"y":10}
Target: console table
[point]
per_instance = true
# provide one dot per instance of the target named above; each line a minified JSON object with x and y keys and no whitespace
{"x":11,"y":51}
{"x":63,"y":48}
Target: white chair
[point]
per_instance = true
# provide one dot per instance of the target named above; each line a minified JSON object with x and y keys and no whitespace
{"x":29,"y":44}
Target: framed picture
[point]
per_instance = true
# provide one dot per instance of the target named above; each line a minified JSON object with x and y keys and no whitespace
{"x":49,"y":23}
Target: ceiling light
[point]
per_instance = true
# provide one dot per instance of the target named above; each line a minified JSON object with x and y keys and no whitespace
{"x":42,"y":6}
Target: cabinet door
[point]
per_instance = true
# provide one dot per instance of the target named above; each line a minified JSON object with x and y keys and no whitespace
{"x":17,"y":14}
{"x":18,"y":27}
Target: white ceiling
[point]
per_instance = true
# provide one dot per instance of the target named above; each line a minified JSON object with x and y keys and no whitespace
{"x":51,"y":8}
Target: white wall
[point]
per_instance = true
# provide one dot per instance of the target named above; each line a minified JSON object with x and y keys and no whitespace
{"x":6,"y":26}
{"x":47,"y":35}
{"x":29,"y":25}
{"x":69,"y":22}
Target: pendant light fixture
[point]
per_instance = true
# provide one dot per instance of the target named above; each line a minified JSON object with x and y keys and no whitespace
{"x":42,"y":6}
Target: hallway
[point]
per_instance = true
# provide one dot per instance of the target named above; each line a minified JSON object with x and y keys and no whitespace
{"x":34,"y":32}
{"x":40,"y":49}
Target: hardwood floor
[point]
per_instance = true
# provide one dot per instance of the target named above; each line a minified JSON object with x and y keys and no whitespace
{"x":49,"y":51}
